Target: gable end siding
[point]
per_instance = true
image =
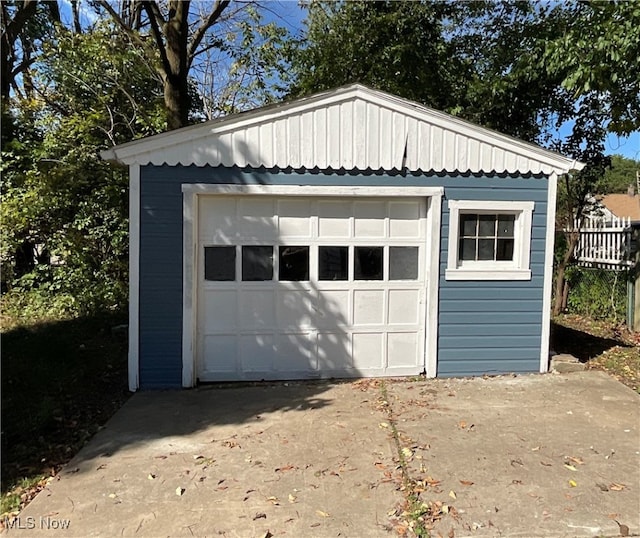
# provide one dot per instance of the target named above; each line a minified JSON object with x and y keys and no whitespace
{"x":493,"y":327}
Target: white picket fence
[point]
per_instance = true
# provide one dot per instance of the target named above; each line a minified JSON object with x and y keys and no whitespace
{"x":604,"y":244}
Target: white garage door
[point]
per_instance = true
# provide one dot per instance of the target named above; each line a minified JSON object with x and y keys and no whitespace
{"x":292,"y":287}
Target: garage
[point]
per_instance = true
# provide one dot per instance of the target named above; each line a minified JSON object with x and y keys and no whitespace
{"x":301,"y":287}
{"x":350,"y":233}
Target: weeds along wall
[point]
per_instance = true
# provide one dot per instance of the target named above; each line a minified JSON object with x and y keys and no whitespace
{"x":597,"y":293}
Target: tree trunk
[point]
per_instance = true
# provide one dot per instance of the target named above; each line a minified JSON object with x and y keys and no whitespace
{"x":176,"y":79}
{"x":562,"y":266}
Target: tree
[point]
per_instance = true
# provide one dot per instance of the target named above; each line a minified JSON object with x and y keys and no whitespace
{"x":597,"y":59}
{"x":182,"y":36}
{"x":618,"y":178}
{"x":57,"y":194}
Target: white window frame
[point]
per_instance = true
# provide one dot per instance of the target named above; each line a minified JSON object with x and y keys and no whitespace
{"x":516,"y":269}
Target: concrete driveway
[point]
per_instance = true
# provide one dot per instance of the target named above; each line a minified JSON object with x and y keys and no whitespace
{"x":552,"y":455}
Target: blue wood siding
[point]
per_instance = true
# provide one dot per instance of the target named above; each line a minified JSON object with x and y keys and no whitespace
{"x":493,"y":327}
{"x":485,"y":327}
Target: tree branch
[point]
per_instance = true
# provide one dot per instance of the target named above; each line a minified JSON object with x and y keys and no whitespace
{"x":155,"y":20}
{"x":132,"y":34}
{"x":198,"y":35}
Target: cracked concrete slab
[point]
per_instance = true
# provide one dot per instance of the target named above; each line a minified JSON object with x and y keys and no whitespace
{"x":539,"y":455}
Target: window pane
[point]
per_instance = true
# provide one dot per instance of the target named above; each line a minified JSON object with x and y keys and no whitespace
{"x":505,"y":225}
{"x":368,"y":263}
{"x":467,"y":249}
{"x":504,"y":249}
{"x":220,"y":263}
{"x":403,"y":263}
{"x":486,"y":226}
{"x":485,"y":249}
{"x":333,"y":263}
{"x":468,"y":225}
{"x":294,"y":263}
{"x":257,"y":263}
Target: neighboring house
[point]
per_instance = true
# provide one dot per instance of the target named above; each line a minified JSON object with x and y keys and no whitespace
{"x":350,"y":233}
{"x":622,"y":206}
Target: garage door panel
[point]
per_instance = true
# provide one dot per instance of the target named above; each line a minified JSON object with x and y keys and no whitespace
{"x":220,"y":311}
{"x":217,"y":220}
{"x":334,"y":219}
{"x":332,"y":309}
{"x":294,"y":308}
{"x":220,"y":354}
{"x":293,"y":218}
{"x":256,"y":219}
{"x":403,"y":219}
{"x":333,"y":351}
{"x":403,"y":307}
{"x":369,"y":219}
{"x":257,"y":309}
{"x":368,"y":351}
{"x":257,"y":352}
{"x":296,"y":352}
{"x":402,"y":349}
{"x":368,"y":307}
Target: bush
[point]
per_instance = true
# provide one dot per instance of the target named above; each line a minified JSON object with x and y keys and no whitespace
{"x":597,"y":293}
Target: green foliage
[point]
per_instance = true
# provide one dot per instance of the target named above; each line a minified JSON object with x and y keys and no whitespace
{"x":597,"y":293}
{"x":618,"y":178}
{"x":60,"y":201}
{"x":599,"y":54}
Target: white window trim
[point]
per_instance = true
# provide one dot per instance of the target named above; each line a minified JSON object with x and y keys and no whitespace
{"x":518,"y":269}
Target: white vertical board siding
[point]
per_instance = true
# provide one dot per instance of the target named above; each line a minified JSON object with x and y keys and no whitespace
{"x":350,"y":128}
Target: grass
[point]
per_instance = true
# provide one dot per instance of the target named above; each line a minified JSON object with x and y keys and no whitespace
{"x":61,"y":381}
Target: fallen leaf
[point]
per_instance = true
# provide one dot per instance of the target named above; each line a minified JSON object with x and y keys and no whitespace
{"x":466,"y":482}
{"x":407,"y":452}
{"x":383,"y":425}
{"x":292,"y":498}
{"x":452,"y":494}
{"x":112,"y":495}
{"x":573,"y":483}
{"x":578,"y":461}
{"x":462,"y":424}
{"x":535,"y":449}
{"x":570,"y":467}
{"x":179,"y":491}
{"x":616,"y":487}
{"x":151,"y":476}
{"x":546,"y":464}
{"x":260,"y":515}
{"x":198,"y":457}
{"x":603,"y":487}
{"x":266,"y":535}
{"x":321,"y":513}
{"x":273,"y":500}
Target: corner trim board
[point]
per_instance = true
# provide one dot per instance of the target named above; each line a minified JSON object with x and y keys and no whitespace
{"x":134,"y":278}
{"x":552,"y":190}
{"x":189,"y":272}
{"x":434,"y":221}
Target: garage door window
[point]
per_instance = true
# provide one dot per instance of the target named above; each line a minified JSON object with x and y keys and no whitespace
{"x":333,"y":263}
{"x":294,"y":263}
{"x":368,"y":263}
{"x":257,"y":263}
{"x":403,"y":263}
{"x":220,"y":263}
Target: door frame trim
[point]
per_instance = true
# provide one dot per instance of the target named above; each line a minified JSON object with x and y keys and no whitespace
{"x":190,"y":193}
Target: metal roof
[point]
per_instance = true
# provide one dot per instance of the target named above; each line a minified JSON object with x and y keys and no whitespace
{"x":353,"y":127}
